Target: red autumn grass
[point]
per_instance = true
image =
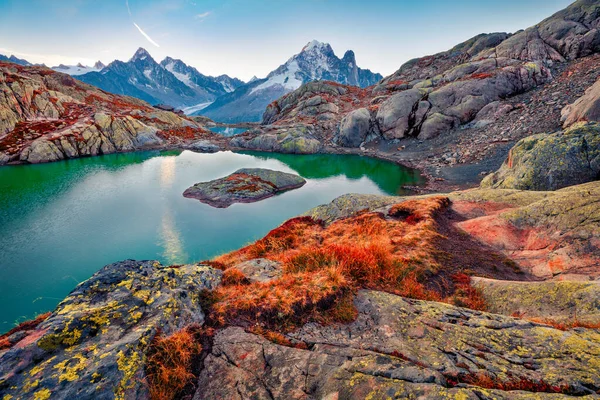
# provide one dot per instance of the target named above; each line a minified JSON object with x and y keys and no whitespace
{"x":23,"y":326}
{"x":169,"y":365}
{"x":323,"y":266}
{"x":234,"y":276}
{"x":514,"y":383}
{"x":566,"y":324}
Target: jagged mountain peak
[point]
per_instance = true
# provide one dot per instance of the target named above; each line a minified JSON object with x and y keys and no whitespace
{"x":316,"y":46}
{"x":349,"y":56}
{"x":99,"y":65}
{"x":141,"y":54}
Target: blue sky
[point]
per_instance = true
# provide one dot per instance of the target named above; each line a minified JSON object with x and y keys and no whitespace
{"x":243,"y":38}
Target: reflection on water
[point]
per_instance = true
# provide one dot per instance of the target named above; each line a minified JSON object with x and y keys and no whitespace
{"x":171,"y":240}
{"x":167,"y":172}
{"x":170,"y":237}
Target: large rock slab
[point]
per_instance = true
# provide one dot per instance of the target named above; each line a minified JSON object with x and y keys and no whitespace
{"x":561,"y":301}
{"x":401,"y":348}
{"x":551,"y":161}
{"x":93,"y":345}
{"x":547,"y":234}
{"x":246,"y":185}
{"x":354,"y":128}
{"x":586,"y":108}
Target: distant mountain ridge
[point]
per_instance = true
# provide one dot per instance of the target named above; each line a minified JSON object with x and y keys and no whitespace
{"x":169,"y":82}
{"x":19,"y":61}
{"x":79,"y":69}
{"x":316,"y":61}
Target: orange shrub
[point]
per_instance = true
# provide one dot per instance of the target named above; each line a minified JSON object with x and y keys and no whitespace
{"x":169,"y":365}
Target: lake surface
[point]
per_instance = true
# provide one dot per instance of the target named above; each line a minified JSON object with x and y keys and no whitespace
{"x":61,"y":222}
{"x":226,"y":130}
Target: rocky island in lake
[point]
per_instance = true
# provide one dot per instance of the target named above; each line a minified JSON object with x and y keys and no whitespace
{"x":246,"y":185}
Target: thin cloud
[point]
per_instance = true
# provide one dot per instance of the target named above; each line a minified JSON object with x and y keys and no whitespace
{"x":146,"y":35}
{"x":128,"y":9}
{"x":200,"y":17}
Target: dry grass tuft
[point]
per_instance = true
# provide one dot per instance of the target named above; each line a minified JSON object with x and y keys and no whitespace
{"x":169,"y":365}
{"x":233,"y":277}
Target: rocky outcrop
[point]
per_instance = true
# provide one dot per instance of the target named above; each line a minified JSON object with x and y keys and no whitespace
{"x":569,"y":34}
{"x":560,"y":301}
{"x":586,"y":108}
{"x":93,"y":346}
{"x":294,"y":140}
{"x":551,"y":161}
{"x":400,"y":348}
{"x":246,"y":185}
{"x":204,"y":146}
{"x":548,"y":234}
{"x":49,"y":116}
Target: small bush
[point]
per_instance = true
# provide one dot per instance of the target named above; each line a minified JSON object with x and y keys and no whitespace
{"x":170,"y":361}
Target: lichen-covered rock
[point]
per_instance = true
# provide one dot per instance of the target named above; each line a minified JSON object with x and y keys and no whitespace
{"x":560,"y":301}
{"x":551,"y":161}
{"x":585,"y":109}
{"x":350,"y":204}
{"x":548,"y":235}
{"x":294,"y":140}
{"x":400,"y":348}
{"x":246,"y":185}
{"x":93,"y":345}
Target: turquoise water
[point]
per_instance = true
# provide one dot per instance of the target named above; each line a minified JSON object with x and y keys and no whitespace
{"x":61,"y":222}
{"x":227,"y":131}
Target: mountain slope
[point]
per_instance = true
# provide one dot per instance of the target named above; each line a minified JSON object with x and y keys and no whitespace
{"x":316,"y":61}
{"x":171,"y":82}
{"x":15,"y":60}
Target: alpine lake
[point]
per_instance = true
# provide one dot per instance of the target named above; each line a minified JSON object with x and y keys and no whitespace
{"x":63,"y":221}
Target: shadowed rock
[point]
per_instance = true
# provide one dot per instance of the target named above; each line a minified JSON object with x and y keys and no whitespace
{"x":246,"y":185}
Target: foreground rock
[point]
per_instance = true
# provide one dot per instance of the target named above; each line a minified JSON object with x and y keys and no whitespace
{"x":93,"y":345}
{"x":560,"y":301}
{"x":400,"y":348}
{"x":246,"y":185}
{"x":551,"y":161}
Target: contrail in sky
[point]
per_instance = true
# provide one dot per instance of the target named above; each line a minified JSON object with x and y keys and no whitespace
{"x":138,"y":27}
{"x":146,"y":36}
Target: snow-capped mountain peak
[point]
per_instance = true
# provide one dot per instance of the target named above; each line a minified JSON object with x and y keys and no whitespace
{"x":315,"y":61}
{"x":140,"y":54}
{"x":99,"y":65}
{"x":315,"y":45}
